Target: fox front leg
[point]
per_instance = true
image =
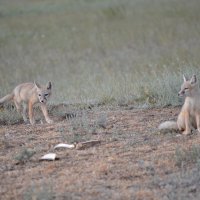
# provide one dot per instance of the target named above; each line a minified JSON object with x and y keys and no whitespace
{"x":24,"y":113}
{"x":187,"y":130}
{"x":198,"y":122}
{"x":45,"y":113}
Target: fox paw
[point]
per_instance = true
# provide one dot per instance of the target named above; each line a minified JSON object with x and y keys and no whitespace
{"x":186,"y":133}
{"x":32,"y":122}
{"x":49,"y":121}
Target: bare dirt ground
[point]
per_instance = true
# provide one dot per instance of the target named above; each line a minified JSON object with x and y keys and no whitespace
{"x":133,"y":160}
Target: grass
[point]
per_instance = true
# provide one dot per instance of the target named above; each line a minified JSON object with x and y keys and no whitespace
{"x":187,"y":156}
{"x":25,"y":155}
{"x":82,"y":127}
{"x":42,"y":191}
{"x":110,"y":52}
{"x":182,"y":185}
{"x":9,"y":115}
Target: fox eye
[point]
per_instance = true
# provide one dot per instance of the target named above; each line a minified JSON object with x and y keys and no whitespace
{"x":39,"y":95}
{"x":46,"y":95}
{"x":186,"y":88}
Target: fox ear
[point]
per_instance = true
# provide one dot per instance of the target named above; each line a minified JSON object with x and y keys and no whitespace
{"x":49,"y":85}
{"x":193,"y":80}
{"x":184,"y":78}
{"x":37,"y":85}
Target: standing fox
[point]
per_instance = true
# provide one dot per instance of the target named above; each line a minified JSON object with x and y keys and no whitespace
{"x":189,"y":117}
{"x":30,"y":94}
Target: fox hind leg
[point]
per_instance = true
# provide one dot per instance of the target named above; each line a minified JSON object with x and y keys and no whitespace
{"x":20,"y":111}
{"x":24,"y":113}
{"x":18,"y":106}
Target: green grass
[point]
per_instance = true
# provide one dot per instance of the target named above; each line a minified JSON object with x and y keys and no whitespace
{"x":106,"y":51}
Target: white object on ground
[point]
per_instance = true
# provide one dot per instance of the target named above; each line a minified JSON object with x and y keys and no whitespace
{"x":49,"y":156}
{"x":62,"y":145}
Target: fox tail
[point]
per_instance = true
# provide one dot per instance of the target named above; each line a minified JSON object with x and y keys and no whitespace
{"x":168,"y":125}
{"x":6,"y":98}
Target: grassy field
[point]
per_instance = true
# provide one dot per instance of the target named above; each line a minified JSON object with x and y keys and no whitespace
{"x":105,"y":51}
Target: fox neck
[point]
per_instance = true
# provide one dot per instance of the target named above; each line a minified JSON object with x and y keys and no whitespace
{"x":194,"y":92}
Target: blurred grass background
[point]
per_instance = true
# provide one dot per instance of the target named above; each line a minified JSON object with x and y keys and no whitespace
{"x":105,"y":51}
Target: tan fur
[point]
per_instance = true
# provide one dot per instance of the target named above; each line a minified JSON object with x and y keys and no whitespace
{"x":29,"y":94}
{"x":189,"y":117}
{"x":168,"y":125}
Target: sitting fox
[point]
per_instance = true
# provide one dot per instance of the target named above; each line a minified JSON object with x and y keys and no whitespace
{"x":29,"y":94}
{"x":189,"y":117}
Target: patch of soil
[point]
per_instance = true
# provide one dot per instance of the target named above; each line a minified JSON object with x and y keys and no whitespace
{"x":132,"y":156}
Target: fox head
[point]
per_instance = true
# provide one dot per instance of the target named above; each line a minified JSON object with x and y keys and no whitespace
{"x":189,"y":86}
{"x":43,"y":92}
